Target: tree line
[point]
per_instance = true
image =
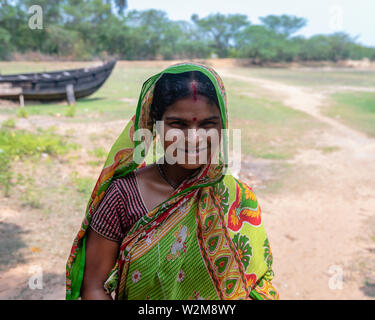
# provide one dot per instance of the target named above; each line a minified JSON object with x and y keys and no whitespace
{"x":87,"y":29}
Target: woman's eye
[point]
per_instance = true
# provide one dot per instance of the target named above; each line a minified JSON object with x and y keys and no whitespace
{"x":177,"y":123}
{"x":209,"y":123}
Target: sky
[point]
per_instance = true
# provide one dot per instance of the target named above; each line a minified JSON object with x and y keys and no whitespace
{"x":355,"y":17}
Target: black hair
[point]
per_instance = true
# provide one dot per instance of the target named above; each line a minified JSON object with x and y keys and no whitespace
{"x":172,"y":87}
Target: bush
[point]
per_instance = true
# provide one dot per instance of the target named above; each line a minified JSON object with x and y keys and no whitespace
{"x":10,"y":123}
{"x":70,"y":111}
{"x":22,"y":113}
{"x":83,"y":185}
{"x":20,"y":144}
{"x":5,"y":172}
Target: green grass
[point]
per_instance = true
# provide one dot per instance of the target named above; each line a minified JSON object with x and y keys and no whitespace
{"x":95,"y":163}
{"x":9,"y":123}
{"x":18,"y":145}
{"x":22,"y":113}
{"x":70,"y":111}
{"x":312,"y":77}
{"x":83,"y":185}
{"x":98,"y":152}
{"x":329,"y":149}
{"x":31,"y":195}
{"x":5,"y":173}
{"x":269,"y":129}
{"x":89,"y":109}
{"x":356,"y":110}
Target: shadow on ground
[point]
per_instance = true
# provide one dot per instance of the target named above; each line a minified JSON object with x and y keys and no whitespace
{"x":87,"y":100}
{"x":368,"y":289}
{"x":11,"y":245}
{"x":53,"y":288}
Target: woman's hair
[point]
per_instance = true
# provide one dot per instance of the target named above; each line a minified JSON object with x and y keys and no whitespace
{"x":172,"y":87}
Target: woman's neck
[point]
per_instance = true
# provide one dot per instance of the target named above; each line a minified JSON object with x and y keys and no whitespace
{"x":176,"y":174}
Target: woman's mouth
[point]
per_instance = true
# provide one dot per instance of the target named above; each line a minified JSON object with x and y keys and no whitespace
{"x":191,"y":152}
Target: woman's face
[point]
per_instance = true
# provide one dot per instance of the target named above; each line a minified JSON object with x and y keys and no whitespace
{"x":192,"y":131}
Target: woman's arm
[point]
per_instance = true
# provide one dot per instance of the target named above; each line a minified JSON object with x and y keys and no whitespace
{"x":101,"y":256}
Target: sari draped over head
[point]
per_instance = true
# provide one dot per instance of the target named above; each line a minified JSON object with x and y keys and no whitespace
{"x":207,"y":241}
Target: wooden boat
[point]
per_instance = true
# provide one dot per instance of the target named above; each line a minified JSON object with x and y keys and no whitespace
{"x":56,"y":85}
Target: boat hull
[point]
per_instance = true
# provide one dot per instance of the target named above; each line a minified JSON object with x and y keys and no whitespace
{"x":52,"y":86}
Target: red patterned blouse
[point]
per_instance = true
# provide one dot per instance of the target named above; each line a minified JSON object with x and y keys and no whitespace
{"x":120,"y":208}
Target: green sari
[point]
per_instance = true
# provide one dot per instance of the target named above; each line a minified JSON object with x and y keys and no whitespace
{"x":207,"y":241}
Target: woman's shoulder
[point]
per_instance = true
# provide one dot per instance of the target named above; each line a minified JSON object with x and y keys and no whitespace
{"x":129,"y":192}
{"x":235,"y":183}
{"x":117,"y":191}
{"x":244,"y":211}
{"x":124,"y":184}
{"x":146,"y":172}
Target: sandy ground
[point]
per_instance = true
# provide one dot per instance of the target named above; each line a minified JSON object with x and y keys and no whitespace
{"x":318,"y":227}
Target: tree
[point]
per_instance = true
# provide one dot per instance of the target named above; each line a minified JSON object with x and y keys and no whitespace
{"x":5,"y":45}
{"x":121,"y":5}
{"x":257,"y":43}
{"x":149,"y":27}
{"x":284,"y":25}
{"x":332,"y":47}
{"x":340,"y":46}
{"x":65,"y":43}
{"x":84,"y":29}
{"x":221,"y":30}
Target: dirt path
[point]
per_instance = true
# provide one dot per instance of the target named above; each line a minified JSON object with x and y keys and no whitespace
{"x":320,"y":230}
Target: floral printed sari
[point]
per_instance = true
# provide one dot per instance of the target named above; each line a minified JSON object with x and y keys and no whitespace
{"x":206,"y":241}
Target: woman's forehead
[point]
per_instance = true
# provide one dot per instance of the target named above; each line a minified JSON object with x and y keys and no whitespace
{"x":201,"y":107}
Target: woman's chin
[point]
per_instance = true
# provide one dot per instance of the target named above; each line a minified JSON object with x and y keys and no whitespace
{"x":188,"y":162}
{"x":190,"y":166}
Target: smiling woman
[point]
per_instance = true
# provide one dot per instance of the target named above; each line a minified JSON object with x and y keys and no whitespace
{"x":173,"y":229}
{"x":188,"y":107}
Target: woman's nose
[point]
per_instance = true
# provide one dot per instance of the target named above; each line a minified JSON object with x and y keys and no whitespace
{"x":195,"y":137}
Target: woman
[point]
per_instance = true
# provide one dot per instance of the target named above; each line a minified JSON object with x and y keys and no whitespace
{"x":183,"y":229}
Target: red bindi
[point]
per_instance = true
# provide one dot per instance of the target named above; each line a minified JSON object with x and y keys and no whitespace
{"x":194,"y":119}
{"x":194,"y":87}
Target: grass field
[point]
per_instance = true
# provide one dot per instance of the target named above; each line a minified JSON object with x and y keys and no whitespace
{"x":270,"y":130}
{"x":310,"y":77}
{"x":356,"y":109}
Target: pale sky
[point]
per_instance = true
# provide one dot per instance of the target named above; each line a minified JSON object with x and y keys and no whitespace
{"x":355,"y":17}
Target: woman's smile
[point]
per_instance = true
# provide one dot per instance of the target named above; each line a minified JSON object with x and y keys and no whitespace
{"x":197,"y":155}
{"x":192,"y":151}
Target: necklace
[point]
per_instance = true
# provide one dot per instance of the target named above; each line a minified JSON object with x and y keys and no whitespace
{"x":163,"y":175}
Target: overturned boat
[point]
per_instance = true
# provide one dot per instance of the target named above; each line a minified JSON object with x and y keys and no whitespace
{"x":56,"y":85}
